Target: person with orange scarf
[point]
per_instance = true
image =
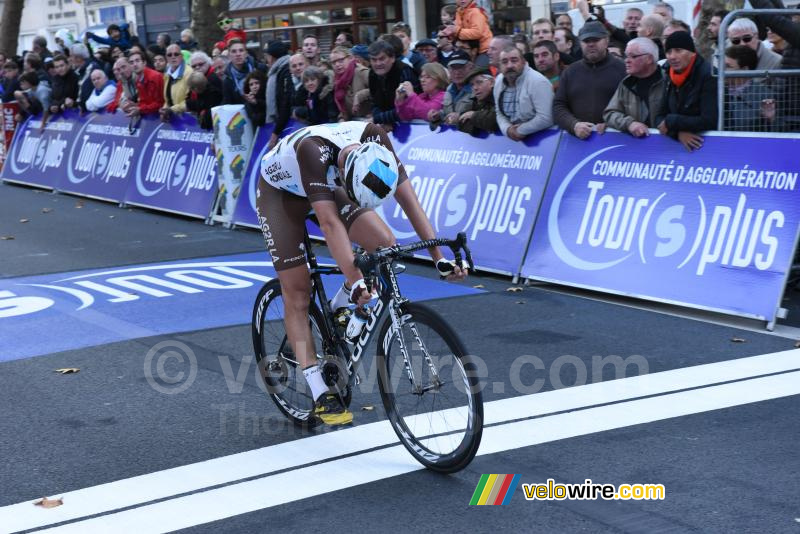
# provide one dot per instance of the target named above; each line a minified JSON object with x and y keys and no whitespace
{"x":689,"y":104}
{"x":471,"y":24}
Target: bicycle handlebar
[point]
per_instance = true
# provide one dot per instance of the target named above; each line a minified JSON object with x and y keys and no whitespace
{"x":366,"y":262}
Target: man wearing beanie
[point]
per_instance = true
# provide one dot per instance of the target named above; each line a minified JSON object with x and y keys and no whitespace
{"x":586,"y":86}
{"x":280,"y":88}
{"x":689,"y":104}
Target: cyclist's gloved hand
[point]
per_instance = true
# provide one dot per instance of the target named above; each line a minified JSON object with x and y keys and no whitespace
{"x":359,"y":295}
{"x":448,"y":269}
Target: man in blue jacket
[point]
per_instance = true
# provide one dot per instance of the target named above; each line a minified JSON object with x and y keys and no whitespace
{"x":118,"y":35}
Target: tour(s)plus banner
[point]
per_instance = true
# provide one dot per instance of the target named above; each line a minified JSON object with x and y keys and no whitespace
{"x":38,"y":155}
{"x":174,"y":168}
{"x":712,"y":229}
{"x":489,"y":188}
{"x":233,"y":139}
{"x":8,"y":124}
{"x":101,"y":159}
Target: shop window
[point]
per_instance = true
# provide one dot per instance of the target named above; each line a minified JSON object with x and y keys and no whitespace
{"x":282,"y":21}
{"x":342,"y":14}
{"x":310,"y":18}
{"x":389,"y":12}
{"x":367,"y":33}
{"x":267,"y":22}
{"x":250,"y":23}
{"x":367,"y":13}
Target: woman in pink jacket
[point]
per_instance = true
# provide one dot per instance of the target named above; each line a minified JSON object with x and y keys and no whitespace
{"x":410,"y":106}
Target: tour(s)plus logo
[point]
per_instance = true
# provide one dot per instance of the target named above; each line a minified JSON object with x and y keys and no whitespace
{"x":100,"y":154}
{"x":166,"y":163}
{"x":476,"y":205}
{"x":38,"y":150}
{"x":596,"y":220}
{"x":131,"y":284}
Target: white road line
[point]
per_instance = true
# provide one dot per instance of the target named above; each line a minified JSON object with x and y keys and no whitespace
{"x":237,"y":499}
{"x":193,"y":477}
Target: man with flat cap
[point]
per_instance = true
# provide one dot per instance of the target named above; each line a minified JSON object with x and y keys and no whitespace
{"x":689,"y":104}
{"x":586,"y":86}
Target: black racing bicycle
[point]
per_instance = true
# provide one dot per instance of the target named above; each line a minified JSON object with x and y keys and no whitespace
{"x":427,"y":380}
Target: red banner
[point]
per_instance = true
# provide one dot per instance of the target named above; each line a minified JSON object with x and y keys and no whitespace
{"x":8,"y":124}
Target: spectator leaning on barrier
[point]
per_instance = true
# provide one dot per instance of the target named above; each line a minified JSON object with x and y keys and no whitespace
{"x":634,"y":105}
{"x":203,"y":96}
{"x":458,"y":97}
{"x":118,"y":35}
{"x":386,"y":74}
{"x":149,"y":86}
{"x":482,"y":116}
{"x":744,"y":31}
{"x":160,"y":61}
{"x":27,"y":99}
{"x":350,"y":84}
{"x":411,"y":106}
{"x":33,"y":63}
{"x":523,"y":97}
{"x":65,"y":86}
{"x":689,"y":104}
{"x":255,"y":102}
{"x":176,"y":82}
{"x":548,"y":62}
{"x":102,"y":93}
{"x":471,"y":22}
{"x":749,"y":102}
{"x":586,"y":86}
{"x":241,"y":64}
{"x":200,"y":62}
{"x":10,"y":80}
{"x":127,"y":93}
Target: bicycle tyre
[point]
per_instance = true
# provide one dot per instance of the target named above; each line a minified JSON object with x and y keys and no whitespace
{"x":397,"y":401}
{"x":274,"y":355}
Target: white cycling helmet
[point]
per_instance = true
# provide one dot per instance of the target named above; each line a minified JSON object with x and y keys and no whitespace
{"x":370,"y":175}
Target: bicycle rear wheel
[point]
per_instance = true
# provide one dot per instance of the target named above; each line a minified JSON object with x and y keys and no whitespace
{"x":277,"y":364}
{"x":430,"y":390}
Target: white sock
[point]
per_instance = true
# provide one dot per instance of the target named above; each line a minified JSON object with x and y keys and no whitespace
{"x":314,"y":379}
{"x":341,"y":299}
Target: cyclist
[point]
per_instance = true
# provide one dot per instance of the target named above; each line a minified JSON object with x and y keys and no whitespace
{"x":341,"y":171}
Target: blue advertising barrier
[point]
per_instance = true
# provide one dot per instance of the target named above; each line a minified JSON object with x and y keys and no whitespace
{"x":714,"y":229}
{"x":245,"y":213}
{"x":489,"y":188}
{"x":175,"y":168}
{"x":38,"y":156}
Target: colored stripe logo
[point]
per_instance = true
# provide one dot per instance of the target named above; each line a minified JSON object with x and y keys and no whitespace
{"x":494,"y":489}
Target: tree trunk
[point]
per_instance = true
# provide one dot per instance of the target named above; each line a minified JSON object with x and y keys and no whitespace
{"x":204,"y":22}
{"x":9,"y":26}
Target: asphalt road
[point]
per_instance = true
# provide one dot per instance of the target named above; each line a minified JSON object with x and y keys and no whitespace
{"x":705,"y":406}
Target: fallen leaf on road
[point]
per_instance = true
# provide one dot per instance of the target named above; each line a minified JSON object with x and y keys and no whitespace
{"x":7,"y":238}
{"x":796,"y":343}
{"x":367,"y":408}
{"x":179,"y":235}
{"x":67,"y":370}
{"x":520,"y":302}
{"x":738,"y":340}
{"x":47,"y":210}
{"x":49,"y":503}
{"x":24,"y":220}
{"x":111,"y":216}
{"x":479,"y":286}
{"x":513,"y":289}
{"x":79,"y":204}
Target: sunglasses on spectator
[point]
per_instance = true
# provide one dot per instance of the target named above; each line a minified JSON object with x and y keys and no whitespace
{"x":633,"y":56}
{"x":174,"y":54}
{"x":742,"y":39}
{"x":224,"y":22}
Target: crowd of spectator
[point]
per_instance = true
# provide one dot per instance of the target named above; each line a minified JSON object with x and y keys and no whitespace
{"x":577,"y":71}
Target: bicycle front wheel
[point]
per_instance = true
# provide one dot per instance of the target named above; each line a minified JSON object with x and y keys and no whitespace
{"x":430,"y":389}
